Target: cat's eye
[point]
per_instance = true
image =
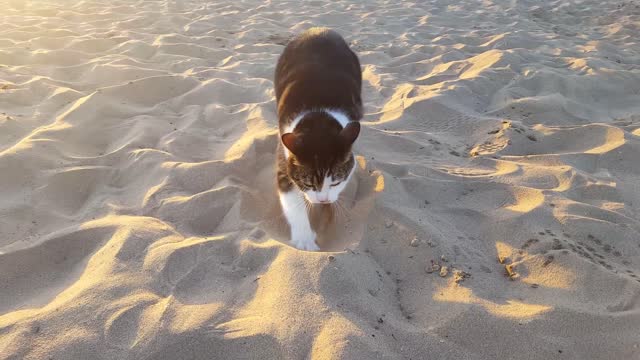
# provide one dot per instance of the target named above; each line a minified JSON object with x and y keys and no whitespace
{"x":336,"y":183}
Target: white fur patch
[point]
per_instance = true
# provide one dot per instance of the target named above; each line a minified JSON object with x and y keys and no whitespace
{"x":341,"y":117}
{"x":294,"y":123}
{"x":295,"y":211}
{"x":338,"y":115}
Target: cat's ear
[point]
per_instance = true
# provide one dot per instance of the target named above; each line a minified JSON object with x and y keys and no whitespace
{"x":292,"y":142}
{"x":350,"y":132}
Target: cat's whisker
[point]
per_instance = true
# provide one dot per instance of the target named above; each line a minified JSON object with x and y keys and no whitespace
{"x":336,"y":211}
{"x":341,"y":209}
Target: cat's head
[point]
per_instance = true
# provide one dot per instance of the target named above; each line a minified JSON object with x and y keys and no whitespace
{"x":320,"y":161}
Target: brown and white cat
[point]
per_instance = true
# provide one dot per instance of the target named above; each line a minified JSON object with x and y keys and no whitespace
{"x":318,"y":84}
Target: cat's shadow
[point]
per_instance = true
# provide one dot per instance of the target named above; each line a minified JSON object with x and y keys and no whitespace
{"x":340,"y":225}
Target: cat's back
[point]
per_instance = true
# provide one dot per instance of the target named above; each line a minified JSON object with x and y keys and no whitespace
{"x":317,"y":69}
{"x":317,"y":46}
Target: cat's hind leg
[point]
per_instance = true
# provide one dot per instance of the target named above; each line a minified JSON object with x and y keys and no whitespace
{"x":295,"y":211}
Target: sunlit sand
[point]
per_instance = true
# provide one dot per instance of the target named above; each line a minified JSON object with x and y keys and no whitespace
{"x":494,"y":213}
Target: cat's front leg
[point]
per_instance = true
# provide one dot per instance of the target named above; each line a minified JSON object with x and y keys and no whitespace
{"x":295,"y":211}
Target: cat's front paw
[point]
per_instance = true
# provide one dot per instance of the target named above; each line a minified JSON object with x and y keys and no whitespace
{"x":304,"y":240}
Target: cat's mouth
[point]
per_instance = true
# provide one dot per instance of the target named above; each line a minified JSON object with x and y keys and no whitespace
{"x":320,"y":201}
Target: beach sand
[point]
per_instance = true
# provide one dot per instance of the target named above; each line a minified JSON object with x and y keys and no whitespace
{"x":495,"y":213}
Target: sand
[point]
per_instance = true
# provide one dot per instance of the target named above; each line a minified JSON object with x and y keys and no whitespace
{"x":495,"y":213}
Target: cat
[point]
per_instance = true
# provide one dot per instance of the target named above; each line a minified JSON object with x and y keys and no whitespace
{"x":318,"y":85}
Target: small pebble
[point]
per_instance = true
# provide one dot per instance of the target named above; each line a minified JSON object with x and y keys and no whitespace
{"x":444,"y":271}
{"x":459,"y":276}
{"x":415,"y":242}
{"x":443,"y":258}
{"x":433,"y":267}
{"x":510,"y":272}
{"x":331,"y":257}
{"x":388,"y":224}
